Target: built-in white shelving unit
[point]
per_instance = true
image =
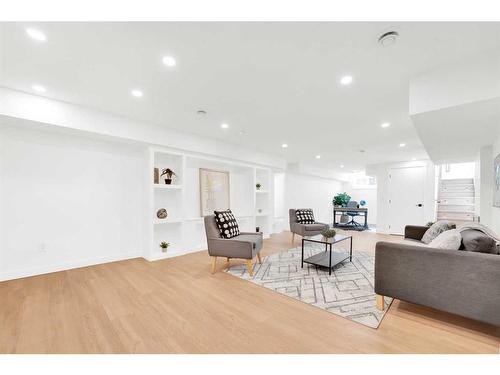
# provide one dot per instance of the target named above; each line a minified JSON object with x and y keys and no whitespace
{"x":184,"y":228}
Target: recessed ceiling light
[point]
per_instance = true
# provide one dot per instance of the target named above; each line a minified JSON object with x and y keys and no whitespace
{"x":284,"y":145}
{"x":318,"y":156}
{"x":402,"y":144}
{"x":36,"y":35}
{"x":346,"y":80}
{"x":224,"y":126}
{"x":169,"y":61}
{"x":38,"y":88}
{"x":413,"y":159}
{"x":137,"y":93}
{"x":341,"y":165}
{"x":385,"y":124}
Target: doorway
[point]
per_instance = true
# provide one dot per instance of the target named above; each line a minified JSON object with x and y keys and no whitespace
{"x":406,"y":197}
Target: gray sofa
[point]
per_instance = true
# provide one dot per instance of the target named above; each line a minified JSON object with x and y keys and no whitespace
{"x":304,"y":230}
{"x":245,"y":246}
{"x":460,"y":282}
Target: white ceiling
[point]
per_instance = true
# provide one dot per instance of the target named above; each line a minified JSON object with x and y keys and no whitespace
{"x":277,"y":82}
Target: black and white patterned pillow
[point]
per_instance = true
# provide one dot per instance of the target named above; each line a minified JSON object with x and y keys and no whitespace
{"x":228,"y":227}
{"x":305,"y":216}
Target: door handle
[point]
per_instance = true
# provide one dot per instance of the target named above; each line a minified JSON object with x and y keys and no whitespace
{"x":419,"y":205}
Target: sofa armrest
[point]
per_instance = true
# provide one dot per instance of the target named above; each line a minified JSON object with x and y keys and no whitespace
{"x":459,"y":282}
{"x":222,"y":247}
{"x":415,"y":232}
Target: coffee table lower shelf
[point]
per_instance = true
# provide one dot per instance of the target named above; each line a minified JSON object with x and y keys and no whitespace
{"x":323,"y":259}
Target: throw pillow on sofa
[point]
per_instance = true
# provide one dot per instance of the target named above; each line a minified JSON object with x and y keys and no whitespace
{"x":447,"y":240}
{"x":436,"y":229}
{"x":477,"y":241}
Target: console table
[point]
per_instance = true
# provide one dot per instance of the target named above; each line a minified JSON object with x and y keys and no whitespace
{"x":343,"y":210}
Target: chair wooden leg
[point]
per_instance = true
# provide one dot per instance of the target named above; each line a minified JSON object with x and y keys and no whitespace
{"x":250,"y":267}
{"x":293,"y":238}
{"x":214,"y":263}
{"x":259,"y":258}
{"x":380,"y":302}
{"x":227,"y":262}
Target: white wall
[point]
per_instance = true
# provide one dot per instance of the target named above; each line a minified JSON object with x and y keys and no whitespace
{"x":302,"y":191}
{"x":67,"y":201}
{"x":495,"y":211}
{"x":485,"y":188}
{"x":381,"y":172}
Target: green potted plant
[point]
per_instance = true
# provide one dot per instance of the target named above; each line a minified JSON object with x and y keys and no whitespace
{"x":168,"y":173}
{"x":341,"y":200}
{"x":258,"y":185}
{"x":164,"y":246}
{"x":328,"y":233}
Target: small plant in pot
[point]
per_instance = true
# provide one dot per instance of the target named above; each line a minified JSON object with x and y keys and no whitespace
{"x":258,"y":186}
{"x":169,"y":174}
{"x":328,"y":233}
{"x":164,"y":246}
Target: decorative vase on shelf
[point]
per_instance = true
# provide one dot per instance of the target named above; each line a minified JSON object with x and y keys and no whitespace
{"x":162,"y":213}
{"x":257,"y":229}
{"x":168,"y":181}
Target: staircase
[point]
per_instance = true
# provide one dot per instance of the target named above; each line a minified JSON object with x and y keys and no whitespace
{"x":456,"y":200}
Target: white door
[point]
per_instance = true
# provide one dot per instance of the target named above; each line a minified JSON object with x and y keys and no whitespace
{"x":406,"y":198}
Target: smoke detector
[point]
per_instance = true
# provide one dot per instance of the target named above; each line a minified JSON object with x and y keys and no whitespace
{"x":201,"y":112}
{"x":388,"y":39}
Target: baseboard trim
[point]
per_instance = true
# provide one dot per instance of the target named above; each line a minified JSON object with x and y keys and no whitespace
{"x":18,"y":274}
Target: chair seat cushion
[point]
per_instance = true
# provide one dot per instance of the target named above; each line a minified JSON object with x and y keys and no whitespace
{"x":314,"y":227}
{"x":255,"y":239}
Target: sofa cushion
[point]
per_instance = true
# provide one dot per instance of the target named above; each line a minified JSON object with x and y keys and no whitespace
{"x":305,"y":216}
{"x":315,"y":227}
{"x":447,"y":240}
{"x":436,"y":229}
{"x":477,"y":241}
{"x":226,"y":222}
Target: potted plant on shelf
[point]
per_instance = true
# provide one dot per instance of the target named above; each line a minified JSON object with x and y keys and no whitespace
{"x":169,"y":173}
{"x":164,"y":246}
{"x":258,"y":185}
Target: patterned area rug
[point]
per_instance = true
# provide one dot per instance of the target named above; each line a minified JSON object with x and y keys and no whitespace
{"x":348,"y":292}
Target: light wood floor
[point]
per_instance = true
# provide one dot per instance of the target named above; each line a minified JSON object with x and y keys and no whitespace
{"x":177,"y":306}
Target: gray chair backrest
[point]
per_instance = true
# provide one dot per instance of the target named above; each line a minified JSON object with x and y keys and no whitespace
{"x":211,"y":229}
{"x":352,"y":204}
{"x":292,"y":215}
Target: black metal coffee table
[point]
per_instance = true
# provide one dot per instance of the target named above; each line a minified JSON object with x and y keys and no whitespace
{"x":328,"y":259}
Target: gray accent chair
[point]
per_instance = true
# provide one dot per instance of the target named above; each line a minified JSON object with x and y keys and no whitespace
{"x":465,"y":283}
{"x":304,"y":230}
{"x":245,"y":246}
